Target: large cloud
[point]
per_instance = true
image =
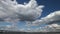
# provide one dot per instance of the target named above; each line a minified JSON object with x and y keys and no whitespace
{"x":53,"y":21}
{"x":31,"y":11}
{"x":11,"y":9}
{"x":51,"y":18}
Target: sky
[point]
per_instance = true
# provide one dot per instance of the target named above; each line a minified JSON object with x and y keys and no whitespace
{"x":50,"y":5}
{"x":49,"y":13}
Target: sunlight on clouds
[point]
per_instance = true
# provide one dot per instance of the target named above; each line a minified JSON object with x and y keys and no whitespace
{"x":53,"y":28}
{"x":52,"y":17}
{"x":55,"y":16}
{"x":11,"y":11}
{"x":28,"y":12}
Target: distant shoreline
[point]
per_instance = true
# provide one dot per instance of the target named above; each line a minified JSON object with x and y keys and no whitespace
{"x":11,"y":32}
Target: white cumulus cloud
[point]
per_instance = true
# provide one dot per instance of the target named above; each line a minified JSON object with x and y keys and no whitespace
{"x":28,"y":12}
{"x":52,"y":17}
{"x":11,"y":11}
{"x":53,"y":28}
